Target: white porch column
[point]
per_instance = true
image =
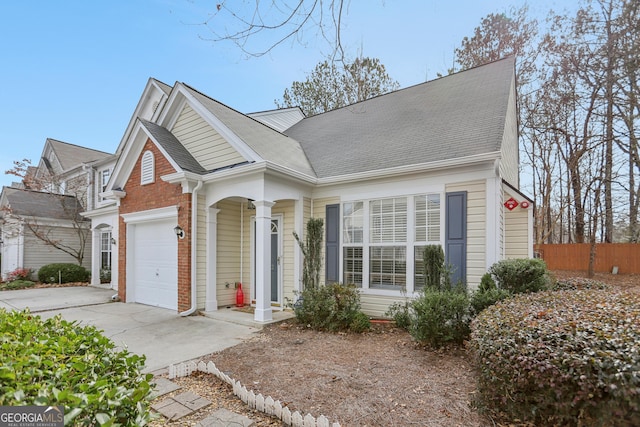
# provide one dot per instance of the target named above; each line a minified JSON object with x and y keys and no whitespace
{"x":263,"y":311}
{"x":211,"y":297}
{"x":96,"y":260}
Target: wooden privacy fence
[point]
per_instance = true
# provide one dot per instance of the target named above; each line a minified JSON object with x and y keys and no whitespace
{"x":575,"y":256}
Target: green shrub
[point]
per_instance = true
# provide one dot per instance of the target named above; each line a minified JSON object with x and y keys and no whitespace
{"x":17,"y":284}
{"x":575,"y":283}
{"x":332,"y":307}
{"x":55,"y":362}
{"x":438,"y":318}
{"x":63,"y":273}
{"x":360,"y":323}
{"x":487,"y":283}
{"x":561,"y":358}
{"x":433,"y":256}
{"x":482,"y":299}
{"x":520,"y":275}
{"x":399,"y":312}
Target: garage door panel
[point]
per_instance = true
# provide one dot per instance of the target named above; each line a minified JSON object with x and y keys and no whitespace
{"x":155,"y":258}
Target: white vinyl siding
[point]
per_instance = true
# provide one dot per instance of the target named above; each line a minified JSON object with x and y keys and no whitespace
{"x":147,"y":168}
{"x":516,"y":233}
{"x":287,"y":209}
{"x":206,"y":145}
{"x":38,"y":253}
{"x":229,"y":250}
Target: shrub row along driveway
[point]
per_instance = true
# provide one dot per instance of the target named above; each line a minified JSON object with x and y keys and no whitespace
{"x":160,"y":334}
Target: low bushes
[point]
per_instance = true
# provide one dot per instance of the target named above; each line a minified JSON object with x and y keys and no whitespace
{"x":561,"y":358}
{"x":17,"y":284}
{"x":55,"y":362}
{"x":63,"y":273}
{"x":438,"y":317}
{"x":20,"y":278}
{"x":333,"y":307}
{"x":19,"y":274}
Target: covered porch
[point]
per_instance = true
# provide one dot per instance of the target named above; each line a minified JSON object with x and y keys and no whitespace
{"x":249,"y":243}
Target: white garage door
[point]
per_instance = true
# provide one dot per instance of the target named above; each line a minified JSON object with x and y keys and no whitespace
{"x":155,"y":263}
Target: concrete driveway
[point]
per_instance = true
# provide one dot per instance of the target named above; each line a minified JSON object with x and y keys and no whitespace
{"x":160,"y":334}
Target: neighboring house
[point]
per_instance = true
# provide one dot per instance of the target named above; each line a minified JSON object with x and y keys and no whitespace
{"x":47,"y":203}
{"x":27,"y":214}
{"x":208,"y":196}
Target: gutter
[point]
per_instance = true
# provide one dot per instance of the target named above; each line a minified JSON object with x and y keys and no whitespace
{"x":194,"y":257}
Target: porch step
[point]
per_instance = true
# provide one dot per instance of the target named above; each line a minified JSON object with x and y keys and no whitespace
{"x":245,"y":316}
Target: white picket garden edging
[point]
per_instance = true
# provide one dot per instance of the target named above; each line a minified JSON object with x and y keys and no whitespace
{"x":258,"y":402}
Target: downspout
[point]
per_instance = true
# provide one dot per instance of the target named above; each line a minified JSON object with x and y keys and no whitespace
{"x":194,"y":256}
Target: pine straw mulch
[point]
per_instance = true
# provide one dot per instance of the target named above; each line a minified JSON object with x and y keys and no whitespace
{"x":380,"y":378}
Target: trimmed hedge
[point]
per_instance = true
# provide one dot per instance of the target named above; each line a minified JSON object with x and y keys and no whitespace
{"x":64,"y":273}
{"x":521,"y":275}
{"x":55,"y":362}
{"x":561,"y":358}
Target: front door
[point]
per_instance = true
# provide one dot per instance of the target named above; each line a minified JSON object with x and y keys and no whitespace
{"x":275,"y":261}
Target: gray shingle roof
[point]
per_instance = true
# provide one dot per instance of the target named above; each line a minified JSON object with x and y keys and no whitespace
{"x":173,"y":147}
{"x":42,"y":205}
{"x":455,"y":116}
{"x":71,"y":156}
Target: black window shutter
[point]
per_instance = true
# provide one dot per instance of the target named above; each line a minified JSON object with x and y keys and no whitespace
{"x":456,"y":235}
{"x":332,"y":248}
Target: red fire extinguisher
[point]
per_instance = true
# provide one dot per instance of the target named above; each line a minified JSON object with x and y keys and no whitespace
{"x":239,"y":295}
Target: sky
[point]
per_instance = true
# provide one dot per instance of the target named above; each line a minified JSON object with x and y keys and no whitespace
{"x":74,"y":70}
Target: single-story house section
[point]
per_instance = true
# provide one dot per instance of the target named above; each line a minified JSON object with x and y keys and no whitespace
{"x":208,"y":196}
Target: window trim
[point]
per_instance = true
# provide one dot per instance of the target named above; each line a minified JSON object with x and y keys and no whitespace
{"x":409,"y":244}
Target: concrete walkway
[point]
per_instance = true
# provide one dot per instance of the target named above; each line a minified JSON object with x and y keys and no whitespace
{"x":162,"y":335}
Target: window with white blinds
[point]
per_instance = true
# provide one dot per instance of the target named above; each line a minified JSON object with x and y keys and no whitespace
{"x":352,"y":222}
{"x":383,"y":240}
{"x":147,"y":168}
{"x":388,"y":220}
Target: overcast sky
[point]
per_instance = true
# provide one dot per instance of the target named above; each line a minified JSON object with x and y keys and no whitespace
{"x":74,"y":70}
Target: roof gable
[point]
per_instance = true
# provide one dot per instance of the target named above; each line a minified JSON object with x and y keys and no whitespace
{"x":452,"y":117}
{"x":280,"y":119}
{"x":254,"y":140}
{"x":203,"y":142}
{"x":70,"y":156}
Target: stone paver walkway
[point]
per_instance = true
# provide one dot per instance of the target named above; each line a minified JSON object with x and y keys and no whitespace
{"x":183,"y":404}
{"x":225,"y":418}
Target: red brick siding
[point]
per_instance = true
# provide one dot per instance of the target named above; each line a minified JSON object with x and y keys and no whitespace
{"x":158,"y":194}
